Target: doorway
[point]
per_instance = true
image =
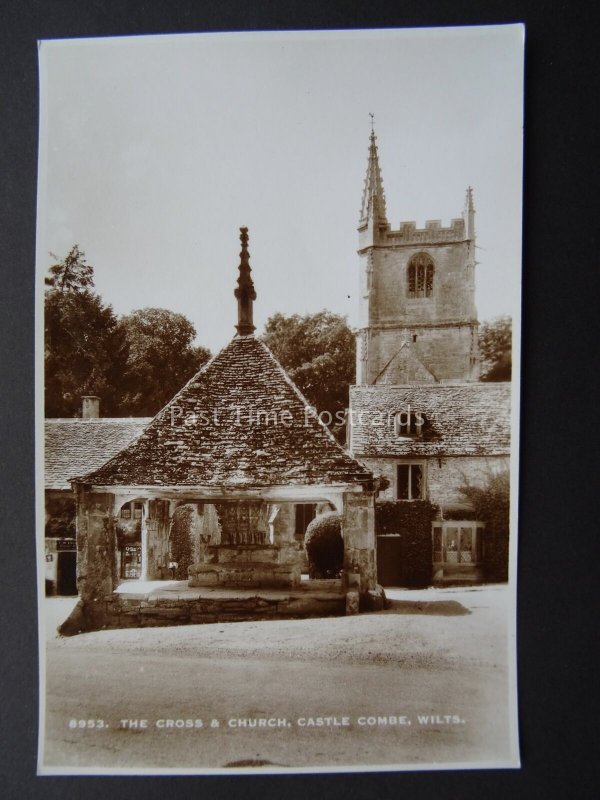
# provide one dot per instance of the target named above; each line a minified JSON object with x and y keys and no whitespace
{"x":389,"y":560}
{"x":66,"y":572}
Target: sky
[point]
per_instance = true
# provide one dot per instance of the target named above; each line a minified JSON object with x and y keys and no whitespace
{"x":154,"y":150}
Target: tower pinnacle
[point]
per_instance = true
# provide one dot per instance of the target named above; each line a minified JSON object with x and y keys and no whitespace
{"x":245,"y":292}
{"x":373,"y":199}
{"x":470,"y":214}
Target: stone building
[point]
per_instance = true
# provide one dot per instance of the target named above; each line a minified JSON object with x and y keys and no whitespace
{"x":73,"y":446}
{"x":418,"y":414}
{"x":241,"y":444}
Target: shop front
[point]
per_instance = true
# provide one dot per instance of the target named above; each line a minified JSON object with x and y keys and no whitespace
{"x":457,"y":551}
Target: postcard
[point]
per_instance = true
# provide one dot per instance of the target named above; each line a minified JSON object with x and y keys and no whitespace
{"x":277,"y":401}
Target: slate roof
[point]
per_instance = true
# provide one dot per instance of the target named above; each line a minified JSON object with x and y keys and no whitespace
{"x":215,"y":433}
{"x":74,"y":446}
{"x":461,"y":420}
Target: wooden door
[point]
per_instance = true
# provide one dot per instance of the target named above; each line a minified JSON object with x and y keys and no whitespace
{"x":389,"y":560}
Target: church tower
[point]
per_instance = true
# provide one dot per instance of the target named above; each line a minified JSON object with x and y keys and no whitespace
{"x":417,"y":316}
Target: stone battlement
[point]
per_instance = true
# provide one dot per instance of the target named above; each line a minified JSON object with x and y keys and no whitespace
{"x":432,"y":233}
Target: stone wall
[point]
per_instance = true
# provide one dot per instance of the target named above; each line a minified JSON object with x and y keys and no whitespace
{"x":453,"y":296}
{"x":241,"y":566}
{"x":444,"y":476}
{"x":440,"y":353}
{"x":117,"y":611}
{"x":445,"y":323}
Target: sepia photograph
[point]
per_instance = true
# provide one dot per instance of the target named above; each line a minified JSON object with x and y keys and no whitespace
{"x":278,"y":295}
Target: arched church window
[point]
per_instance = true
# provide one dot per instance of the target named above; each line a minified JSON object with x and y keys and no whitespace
{"x":420,"y":276}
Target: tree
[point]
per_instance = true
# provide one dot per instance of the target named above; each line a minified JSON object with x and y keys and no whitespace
{"x":161,"y":358}
{"x":318,"y":352}
{"x":495,"y":344}
{"x":324,"y":546}
{"x":72,"y":274}
{"x":491,"y":503}
{"x":85,"y":349}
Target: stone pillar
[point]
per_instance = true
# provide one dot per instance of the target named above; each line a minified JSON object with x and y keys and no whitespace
{"x":211,"y":529}
{"x":358,"y":531}
{"x":96,"y":545}
{"x":284,"y":523}
{"x":158,"y":524}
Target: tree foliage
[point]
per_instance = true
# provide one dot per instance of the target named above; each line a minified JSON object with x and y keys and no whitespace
{"x":60,"y":516}
{"x":85,"y":348}
{"x":72,"y":274}
{"x":318,"y":352}
{"x":135,"y":364}
{"x":161,"y":358}
{"x":410,"y":520}
{"x":324,"y":546}
{"x":495,"y":345}
{"x":491,"y":502}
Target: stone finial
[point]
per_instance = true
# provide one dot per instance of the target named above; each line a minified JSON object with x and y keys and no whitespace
{"x":245,"y":292}
{"x":469,"y":200}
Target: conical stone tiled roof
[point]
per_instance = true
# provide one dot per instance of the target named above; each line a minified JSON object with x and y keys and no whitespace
{"x":239,"y":422}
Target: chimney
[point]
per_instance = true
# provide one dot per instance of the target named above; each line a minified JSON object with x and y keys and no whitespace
{"x":90,"y":408}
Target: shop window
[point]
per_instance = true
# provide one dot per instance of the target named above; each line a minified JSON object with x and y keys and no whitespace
{"x":126,"y":512}
{"x":458,"y":542}
{"x":131,"y":561}
{"x":410,"y":482}
{"x":137,"y":510}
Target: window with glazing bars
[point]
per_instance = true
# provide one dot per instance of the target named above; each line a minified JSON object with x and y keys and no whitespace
{"x":420,"y":276}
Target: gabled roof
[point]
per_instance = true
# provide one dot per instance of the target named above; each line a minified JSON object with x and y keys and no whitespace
{"x":75,"y":446}
{"x":462,"y":420}
{"x":240,"y":421}
{"x":405,"y":362}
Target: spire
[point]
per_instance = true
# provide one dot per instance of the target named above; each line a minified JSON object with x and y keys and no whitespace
{"x":245,"y":292}
{"x":470,"y":214}
{"x":373,"y":200}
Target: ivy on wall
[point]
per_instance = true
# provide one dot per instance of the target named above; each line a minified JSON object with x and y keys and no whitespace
{"x":60,"y":517}
{"x":492,"y":506}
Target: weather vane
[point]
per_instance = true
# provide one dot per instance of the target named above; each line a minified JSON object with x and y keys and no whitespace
{"x":372,"y":121}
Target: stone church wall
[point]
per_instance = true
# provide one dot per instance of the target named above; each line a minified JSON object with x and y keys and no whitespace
{"x":445,"y":324}
{"x":452,"y":298}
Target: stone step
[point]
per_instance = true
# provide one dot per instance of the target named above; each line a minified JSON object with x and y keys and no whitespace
{"x":245,"y":574}
{"x":323,"y":585}
{"x":222,"y":554}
